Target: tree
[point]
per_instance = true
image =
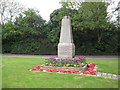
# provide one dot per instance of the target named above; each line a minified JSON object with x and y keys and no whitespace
{"x":71,"y":4}
{"x":93,"y":22}
{"x":55,"y":23}
{"x":26,"y":31}
{"x":92,"y":16}
{"x":118,"y":14}
{"x":9,"y":9}
{"x":30,"y":23}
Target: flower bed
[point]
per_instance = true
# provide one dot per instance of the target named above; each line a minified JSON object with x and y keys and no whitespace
{"x":75,"y":65}
{"x":78,"y":61}
{"x":90,"y":70}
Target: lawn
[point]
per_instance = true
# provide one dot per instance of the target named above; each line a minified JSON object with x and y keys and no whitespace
{"x":16,"y":75}
{"x":105,"y":65}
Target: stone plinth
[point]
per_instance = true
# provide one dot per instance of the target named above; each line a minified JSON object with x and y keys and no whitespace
{"x":66,"y":50}
{"x":64,"y":68}
{"x":66,"y":47}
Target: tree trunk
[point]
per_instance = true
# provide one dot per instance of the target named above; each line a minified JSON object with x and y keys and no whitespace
{"x":99,"y":38}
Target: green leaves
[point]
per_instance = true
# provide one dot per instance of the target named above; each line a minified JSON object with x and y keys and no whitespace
{"x":55,"y":23}
{"x":92,"y":31}
{"x":26,"y":31}
{"x":30,"y":23}
{"x":91,"y":15}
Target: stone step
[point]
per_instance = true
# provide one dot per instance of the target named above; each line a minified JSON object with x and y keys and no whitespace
{"x":64,"y":68}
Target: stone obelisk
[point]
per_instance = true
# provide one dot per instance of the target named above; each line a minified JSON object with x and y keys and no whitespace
{"x":66,"y":47}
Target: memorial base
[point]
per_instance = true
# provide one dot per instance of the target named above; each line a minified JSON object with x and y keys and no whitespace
{"x":66,"y":50}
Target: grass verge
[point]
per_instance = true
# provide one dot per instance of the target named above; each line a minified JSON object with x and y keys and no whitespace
{"x":105,"y":65}
{"x":16,"y":75}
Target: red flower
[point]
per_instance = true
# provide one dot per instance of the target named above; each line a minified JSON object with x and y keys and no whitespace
{"x":89,"y":70}
{"x":54,"y":70}
{"x":86,"y":72}
{"x":90,"y":64}
{"x":40,"y":69}
{"x":48,"y":70}
{"x":93,"y":73}
{"x":34,"y":69}
{"x":63,"y":71}
{"x":75,"y":72}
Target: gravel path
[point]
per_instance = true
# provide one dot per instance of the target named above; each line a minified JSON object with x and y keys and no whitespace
{"x":46,"y":56}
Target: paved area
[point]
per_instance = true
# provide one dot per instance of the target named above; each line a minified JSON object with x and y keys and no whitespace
{"x":27,"y":56}
{"x":46,"y":56}
{"x":108,"y":75}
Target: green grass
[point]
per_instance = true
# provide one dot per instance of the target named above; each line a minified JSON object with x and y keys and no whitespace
{"x":105,"y":65}
{"x":17,"y":75}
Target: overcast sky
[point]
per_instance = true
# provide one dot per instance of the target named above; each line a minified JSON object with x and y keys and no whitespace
{"x":46,"y":7}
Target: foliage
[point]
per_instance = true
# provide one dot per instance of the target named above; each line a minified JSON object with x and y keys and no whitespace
{"x":31,"y":24}
{"x":27,"y":31}
{"x":9,"y":9}
{"x":93,"y":33}
{"x":92,"y":26}
{"x":55,"y":23}
{"x":70,"y":4}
